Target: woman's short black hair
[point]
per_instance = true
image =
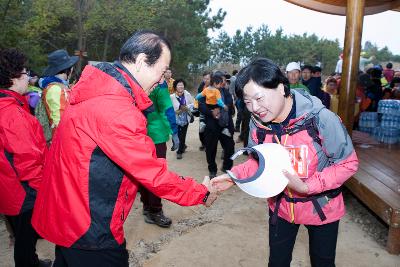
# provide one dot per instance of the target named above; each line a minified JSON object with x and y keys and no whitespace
{"x":263,"y":72}
{"x":146,"y":42}
{"x":175,"y":83}
{"x":12,"y":63}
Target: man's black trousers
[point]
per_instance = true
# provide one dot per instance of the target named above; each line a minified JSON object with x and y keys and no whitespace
{"x":72,"y":257}
{"x":150,"y":201}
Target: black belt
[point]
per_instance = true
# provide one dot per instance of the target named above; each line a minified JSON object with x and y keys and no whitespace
{"x":313,"y":198}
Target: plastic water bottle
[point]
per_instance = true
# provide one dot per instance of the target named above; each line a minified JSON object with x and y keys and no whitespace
{"x":392,"y":135}
{"x":386,"y":135}
{"x":389,"y":106}
{"x":368,"y":121}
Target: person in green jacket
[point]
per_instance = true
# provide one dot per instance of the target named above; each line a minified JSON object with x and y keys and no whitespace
{"x":293,"y":74}
{"x":161,"y":123}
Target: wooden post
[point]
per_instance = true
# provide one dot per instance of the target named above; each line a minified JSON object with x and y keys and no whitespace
{"x":351,"y":59}
{"x":393,"y":242}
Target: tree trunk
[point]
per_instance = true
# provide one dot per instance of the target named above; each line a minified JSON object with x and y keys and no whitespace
{"x":106,"y":41}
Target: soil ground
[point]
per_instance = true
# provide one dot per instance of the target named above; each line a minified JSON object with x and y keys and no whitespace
{"x":233,"y":232}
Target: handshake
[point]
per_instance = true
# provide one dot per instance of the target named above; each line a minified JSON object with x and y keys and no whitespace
{"x":215,"y":186}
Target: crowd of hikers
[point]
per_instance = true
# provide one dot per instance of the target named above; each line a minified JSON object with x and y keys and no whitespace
{"x":73,"y":158}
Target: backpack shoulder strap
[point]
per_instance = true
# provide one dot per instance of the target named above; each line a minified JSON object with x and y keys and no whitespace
{"x":310,"y":125}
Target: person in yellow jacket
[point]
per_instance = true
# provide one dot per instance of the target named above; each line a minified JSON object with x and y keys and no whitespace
{"x":55,"y":84}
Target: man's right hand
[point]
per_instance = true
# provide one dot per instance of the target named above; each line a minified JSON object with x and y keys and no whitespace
{"x":213,"y":192}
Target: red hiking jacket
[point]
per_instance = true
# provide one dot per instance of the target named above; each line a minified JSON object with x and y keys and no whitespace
{"x":99,"y":156}
{"x":22,"y":151}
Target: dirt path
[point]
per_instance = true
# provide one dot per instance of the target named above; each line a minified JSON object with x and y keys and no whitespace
{"x":232,"y":233}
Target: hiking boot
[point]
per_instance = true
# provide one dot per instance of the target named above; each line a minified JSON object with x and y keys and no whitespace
{"x":178,"y":156}
{"x":45,"y":263}
{"x":158,"y":218}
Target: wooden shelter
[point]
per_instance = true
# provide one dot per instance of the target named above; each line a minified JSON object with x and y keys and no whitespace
{"x":338,"y":7}
{"x":377,"y":182}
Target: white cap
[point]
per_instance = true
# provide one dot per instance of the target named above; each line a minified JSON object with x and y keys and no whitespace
{"x":293,"y":66}
{"x":269,"y":180}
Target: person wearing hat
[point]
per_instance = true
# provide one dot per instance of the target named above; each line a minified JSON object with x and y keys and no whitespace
{"x":323,"y":158}
{"x":55,"y":84}
{"x":22,"y":153}
{"x":293,"y":73}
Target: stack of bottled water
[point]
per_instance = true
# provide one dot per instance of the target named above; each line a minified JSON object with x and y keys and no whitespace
{"x":389,"y":106}
{"x":389,"y":130}
{"x":368,"y":121}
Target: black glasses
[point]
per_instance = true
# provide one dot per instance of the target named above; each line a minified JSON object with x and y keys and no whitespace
{"x":28,"y":73}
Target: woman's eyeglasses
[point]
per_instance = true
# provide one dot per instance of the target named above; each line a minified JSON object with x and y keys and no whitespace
{"x":28,"y":73}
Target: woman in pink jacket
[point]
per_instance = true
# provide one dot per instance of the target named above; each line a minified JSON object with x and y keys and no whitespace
{"x":313,"y":196}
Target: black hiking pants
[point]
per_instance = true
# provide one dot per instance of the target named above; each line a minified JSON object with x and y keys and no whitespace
{"x":151,"y":202}
{"x":322,"y":243}
{"x":211,"y":139}
{"x":25,"y":240}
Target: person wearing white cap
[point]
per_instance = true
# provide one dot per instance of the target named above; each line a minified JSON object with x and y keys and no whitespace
{"x":293,"y":73}
{"x":322,"y":158}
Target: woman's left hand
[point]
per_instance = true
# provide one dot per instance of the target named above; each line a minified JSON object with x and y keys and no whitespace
{"x":296,"y":183}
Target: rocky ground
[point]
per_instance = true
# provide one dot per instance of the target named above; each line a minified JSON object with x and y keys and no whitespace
{"x":233,"y":232}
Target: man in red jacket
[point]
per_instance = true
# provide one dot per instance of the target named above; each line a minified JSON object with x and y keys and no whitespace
{"x":22,"y":150}
{"x":101,"y":154}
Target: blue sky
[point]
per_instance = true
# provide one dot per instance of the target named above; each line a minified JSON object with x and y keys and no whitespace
{"x":297,"y":20}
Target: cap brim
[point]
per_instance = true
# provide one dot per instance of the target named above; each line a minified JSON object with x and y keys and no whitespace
{"x":269,"y":180}
{"x":53,"y":70}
